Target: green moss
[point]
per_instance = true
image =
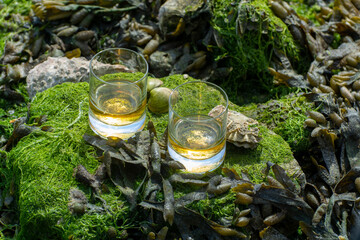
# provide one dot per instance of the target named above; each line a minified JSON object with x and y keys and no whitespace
{"x":132,"y":77}
{"x":43,"y":163}
{"x":249,"y":55}
{"x":306,"y":11}
{"x":285,"y":117}
{"x":222,"y":206}
{"x":271,"y":148}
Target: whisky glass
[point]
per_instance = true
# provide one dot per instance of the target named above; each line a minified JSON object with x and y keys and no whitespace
{"x":118,"y":79}
{"x":195,"y":138}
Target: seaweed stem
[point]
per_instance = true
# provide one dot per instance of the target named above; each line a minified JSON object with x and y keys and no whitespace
{"x":78,"y":117}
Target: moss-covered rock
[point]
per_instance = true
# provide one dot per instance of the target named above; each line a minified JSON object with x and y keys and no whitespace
{"x":248,"y":32}
{"x":284,"y":116}
{"x":43,"y":163}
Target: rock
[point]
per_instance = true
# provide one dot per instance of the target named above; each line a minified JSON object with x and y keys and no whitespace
{"x":55,"y":71}
{"x":173,"y":13}
{"x":162,"y":61}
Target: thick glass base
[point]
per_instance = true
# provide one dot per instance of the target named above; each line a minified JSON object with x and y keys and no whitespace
{"x":199,"y":166}
{"x":123,"y":132}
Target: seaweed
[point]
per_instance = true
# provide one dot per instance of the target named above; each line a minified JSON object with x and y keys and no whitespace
{"x":9,"y":27}
{"x":249,"y":55}
{"x":48,"y":173}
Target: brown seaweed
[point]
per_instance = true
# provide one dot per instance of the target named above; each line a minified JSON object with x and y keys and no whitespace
{"x":169,"y":209}
{"x":347,"y":183}
{"x":177,"y":178}
{"x":296,"y":207}
{"x":21,"y":130}
{"x":271,"y":233}
{"x":101,"y":144}
{"x":189,"y":198}
{"x":284,"y":179}
{"x":123,"y":177}
{"x":82,"y":175}
{"x":217,"y":186}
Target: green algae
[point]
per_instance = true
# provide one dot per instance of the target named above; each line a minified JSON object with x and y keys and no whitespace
{"x":249,"y":55}
{"x":271,"y":148}
{"x":222,"y":206}
{"x":306,"y":11}
{"x":43,"y":163}
{"x":285,"y":117}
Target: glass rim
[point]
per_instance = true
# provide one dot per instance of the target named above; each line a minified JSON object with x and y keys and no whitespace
{"x":111,"y":49}
{"x":199,"y":81}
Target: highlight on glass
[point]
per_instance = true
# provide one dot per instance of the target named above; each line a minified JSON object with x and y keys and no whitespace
{"x":118,"y":79}
{"x":197,"y":125}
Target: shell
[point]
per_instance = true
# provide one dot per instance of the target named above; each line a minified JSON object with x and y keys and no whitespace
{"x":159,"y":100}
{"x":240,"y":131}
{"x":153,"y":83}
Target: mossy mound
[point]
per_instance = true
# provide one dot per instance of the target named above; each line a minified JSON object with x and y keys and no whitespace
{"x":43,"y":163}
{"x":248,"y":32}
{"x":42,"y":166}
{"x":284,"y":116}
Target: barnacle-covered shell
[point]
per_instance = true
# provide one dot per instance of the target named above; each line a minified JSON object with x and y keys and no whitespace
{"x":159,"y":100}
{"x":239,"y":130}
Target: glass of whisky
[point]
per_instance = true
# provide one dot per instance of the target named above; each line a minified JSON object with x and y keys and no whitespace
{"x":118,"y":79}
{"x":195,"y":138}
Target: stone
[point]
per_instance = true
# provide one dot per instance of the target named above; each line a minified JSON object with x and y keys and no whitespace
{"x":174,"y":13}
{"x":55,"y":71}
